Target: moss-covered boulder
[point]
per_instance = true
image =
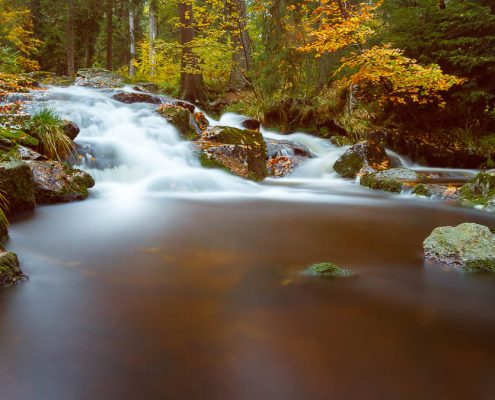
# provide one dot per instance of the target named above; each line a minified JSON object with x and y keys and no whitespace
{"x":16,"y":136}
{"x":98,"y":78}
{"x":241,"y":152}
{"x":18,"y":186}
{"x":329,"y":270}
{"x":4,"y":227}
{"x":181,"y":118}
{"x":55,"y":182}
{"x":363,"y":157}
{"x":468,"y":247}
{"x":10,"y":271}
{"x":480,"y":191}
{"x":394,"y":180}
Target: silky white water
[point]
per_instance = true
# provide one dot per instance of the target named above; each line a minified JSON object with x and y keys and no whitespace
{"x":132,"y":150}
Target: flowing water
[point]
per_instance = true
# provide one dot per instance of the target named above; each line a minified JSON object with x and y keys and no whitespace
{"x":177,"y":282}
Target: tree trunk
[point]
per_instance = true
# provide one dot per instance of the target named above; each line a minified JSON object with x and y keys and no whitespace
{"x":110,"y":35}
{"x":152,"y":37}
{"x":241,"y":58}
{"x":70,"y":39}
{"x":191,"y":80}
{"x":132,"y":39}
{"x":442,"y":5}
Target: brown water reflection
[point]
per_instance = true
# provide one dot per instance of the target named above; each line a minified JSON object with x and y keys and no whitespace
{"x":175,"y":299}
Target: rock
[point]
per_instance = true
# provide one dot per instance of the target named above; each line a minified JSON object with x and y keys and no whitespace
{"x":436,"y":149}
{"x":363,"y":156}
{"x":241,"y":152}
{"x":98,"y":78}
{"x":182,"y":119}
{"x":4,"y":227}
{"x":131,"y":98}
{"x":468,"y":247}
{"x":284,"y":156}
{"x":329,"y":270}
{"x":480,"y":191}
{"x":394,"y":180}
{"x":201,"y":121}
{"x":251,"y":124}
{"x":437,"y":191}
{"x":10,"y":271}
{"x":341,"y":141}
{"x":185,"y":104}
{"x":18,"y":185}
{"x":147,"y":87}
{"x":55,"y":182}
{"x":71,"y":130}
{"x":15,"y":136}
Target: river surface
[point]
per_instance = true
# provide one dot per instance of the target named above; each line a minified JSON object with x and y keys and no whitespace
{"x":176,"y":282}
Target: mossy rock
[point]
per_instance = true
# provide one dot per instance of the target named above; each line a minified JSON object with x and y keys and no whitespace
{"x":239,"y":151}
{"x":468,"y":247}
{"x":18,"y":186}
{"x":479,"y":191}
{"x":10,"y":271}
{"x":181,"y":118}
{"x":393,"y":180}
{"x":18,"y":137}
{"x":362,"y":156}
{"x":329,"y":270}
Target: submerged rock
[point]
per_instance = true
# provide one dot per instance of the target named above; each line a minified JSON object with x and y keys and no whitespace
{"x":18,"y":185}
{"x":55,"y":182}
{"x":98,"y":78}
{"x":329,"y":270}
{"x":363,"y":157}
{"x":480,"y":191}
{"x":10,"y":271}
{"x":468,"y":247}
{"x":437,"y":191}
{"x":131,"y":98}
{"x":181,"y":118}
{"x":241,"y":152}
{"x":394,"y":180}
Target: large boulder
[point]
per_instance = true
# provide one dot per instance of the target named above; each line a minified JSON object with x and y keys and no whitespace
{"x":468,"y":247}
{"x":17,"y":182}
{"x":241,"y":152}
{"x":182,"y":119}
{"x":393,"y":180}
{"x":365,"y":156}
{"x":480,"y":191}
{"x":10,"y":271}
{"x":55,"y":182}
{"x":131,"y":98}
{"x":98,"y":78}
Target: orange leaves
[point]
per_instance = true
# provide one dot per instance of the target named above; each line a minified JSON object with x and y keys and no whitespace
{"x":386,"y":74}
{"x":10,"y":83}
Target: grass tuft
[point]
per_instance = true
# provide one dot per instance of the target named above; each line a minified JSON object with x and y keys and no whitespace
{"x":49,"y":129}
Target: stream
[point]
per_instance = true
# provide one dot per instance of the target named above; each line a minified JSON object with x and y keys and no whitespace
{"x":178,"y":282}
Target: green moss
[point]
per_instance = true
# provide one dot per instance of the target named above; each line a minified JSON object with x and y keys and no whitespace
{"x":387,"y":185}
{"x":210,"y":162}
{"x":420,"y":190}
{"x":4,"y":225}
{"x":329,"y":270}
{"x":10,"y":272}
{"x":341,"y":141}
{"x":181,"y":118}
{"x":18,"y":137}
{"x":11,"y":154}
{"x":479,"y":190}
{"x":477,"y":266}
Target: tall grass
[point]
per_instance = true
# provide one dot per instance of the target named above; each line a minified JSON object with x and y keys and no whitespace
{"x":49,"y":129}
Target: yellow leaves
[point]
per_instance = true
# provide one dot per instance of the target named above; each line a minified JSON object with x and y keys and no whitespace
{"x":386,"y":74}
{"x":10,"y":83}
{"x":338,"y":24}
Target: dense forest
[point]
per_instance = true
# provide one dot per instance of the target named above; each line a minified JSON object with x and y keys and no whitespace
{"x":425,"y":65}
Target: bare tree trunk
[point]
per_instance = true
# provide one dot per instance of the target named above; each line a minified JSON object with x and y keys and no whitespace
{"x":70,"y":39}
{"x":110,"y":35}
{"x":152,"y":37}
{"x":132,"y":38}
{"x":241,"y":58}
{"x":191,"y":79}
